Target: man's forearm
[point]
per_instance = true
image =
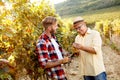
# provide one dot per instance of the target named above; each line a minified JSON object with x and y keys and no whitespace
{"x":88,"y":49}
{"x":52,"y":64}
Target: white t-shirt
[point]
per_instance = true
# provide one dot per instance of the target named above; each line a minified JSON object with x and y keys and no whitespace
{"x":57,"y":49}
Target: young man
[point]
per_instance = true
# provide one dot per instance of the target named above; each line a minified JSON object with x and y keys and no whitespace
{"x":89,"y":43}
{"x":49,"y":51}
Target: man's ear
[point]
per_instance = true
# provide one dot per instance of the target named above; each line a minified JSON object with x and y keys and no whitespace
{"x":49,"y":28}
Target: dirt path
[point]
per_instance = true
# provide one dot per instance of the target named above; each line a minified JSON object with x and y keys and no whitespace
{"x":112,"y":64}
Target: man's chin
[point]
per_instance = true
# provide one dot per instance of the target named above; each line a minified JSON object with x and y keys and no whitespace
{"x":52,"y":33}
{"x":81,"y":33}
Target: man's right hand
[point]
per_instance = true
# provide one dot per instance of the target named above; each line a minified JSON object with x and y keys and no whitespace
{"x":66,"y":60}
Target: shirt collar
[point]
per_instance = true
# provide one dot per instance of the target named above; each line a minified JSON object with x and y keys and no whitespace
{"x":44,"y":36}
{"x":89,"y":31}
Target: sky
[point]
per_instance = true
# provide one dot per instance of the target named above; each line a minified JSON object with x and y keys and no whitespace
{"x":56,"y":1}
{"x":52,"y":1}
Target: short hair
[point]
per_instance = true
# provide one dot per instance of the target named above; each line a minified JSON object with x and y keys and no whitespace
{"x":48,"y":21}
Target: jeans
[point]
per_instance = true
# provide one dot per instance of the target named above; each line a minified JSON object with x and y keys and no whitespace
{"x":101,"y":76}
{"x":56,"y":79}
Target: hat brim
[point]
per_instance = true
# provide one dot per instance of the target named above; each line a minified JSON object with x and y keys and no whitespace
{"x":78,"y":21}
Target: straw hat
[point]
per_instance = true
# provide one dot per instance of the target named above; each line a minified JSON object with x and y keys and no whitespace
{"x":78,"y":19}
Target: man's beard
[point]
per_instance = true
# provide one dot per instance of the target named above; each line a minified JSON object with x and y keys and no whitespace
{"x":52,"y":32}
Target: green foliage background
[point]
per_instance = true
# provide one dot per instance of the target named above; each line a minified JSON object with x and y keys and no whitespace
{"x":70,"y":7}
{"x":19,"y":30}
{"x":20,"y":27}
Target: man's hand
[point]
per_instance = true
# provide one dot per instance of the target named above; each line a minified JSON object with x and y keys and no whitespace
{"x":4,"y":60}
{"x":66,"y":60}
{"x":88,"y":49}
{"x":77,"y":46}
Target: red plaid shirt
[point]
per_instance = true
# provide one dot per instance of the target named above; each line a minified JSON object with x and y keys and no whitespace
{"x":46,"y":53}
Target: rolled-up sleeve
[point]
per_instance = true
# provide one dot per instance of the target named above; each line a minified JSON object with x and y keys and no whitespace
{"x":97,"y":42}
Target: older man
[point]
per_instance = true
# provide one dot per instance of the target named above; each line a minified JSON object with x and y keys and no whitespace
{"x":89,"y":43}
